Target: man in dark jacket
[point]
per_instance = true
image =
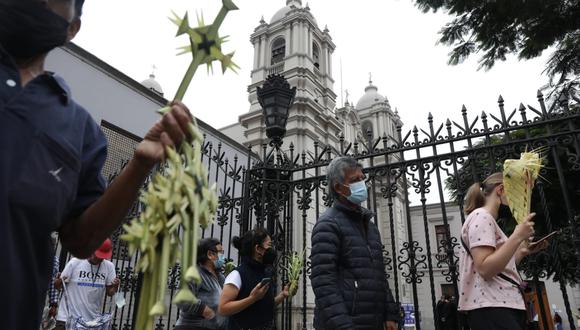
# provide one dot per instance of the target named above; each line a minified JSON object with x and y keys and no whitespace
{"x":348,"y":274}
{"x":53,"y":153}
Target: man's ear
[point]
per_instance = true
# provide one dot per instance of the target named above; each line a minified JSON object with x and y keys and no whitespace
{"x":342,"y":189}
{"x":73,"y":29}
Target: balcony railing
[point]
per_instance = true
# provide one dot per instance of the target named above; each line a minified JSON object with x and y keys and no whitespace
{"x":276,"y":68}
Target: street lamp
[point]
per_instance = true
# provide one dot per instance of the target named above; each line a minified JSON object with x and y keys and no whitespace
{"x":276,"y":98}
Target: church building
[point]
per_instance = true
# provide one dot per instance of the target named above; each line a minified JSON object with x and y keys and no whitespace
{"x":293,"y":44}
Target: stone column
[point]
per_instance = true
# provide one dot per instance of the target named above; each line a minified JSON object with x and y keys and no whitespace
{"x":329,"y":62}
{"x":305,"y":37}
{"x":324,"y":59}
{"x":264,"y":49}
{"x":288,"y":41}
{"x":292,"y":38}
{"x":256,"y":43}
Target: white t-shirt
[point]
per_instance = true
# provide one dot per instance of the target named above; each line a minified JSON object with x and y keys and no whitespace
{"x":86,"y":288}
{"x":235,"y":279}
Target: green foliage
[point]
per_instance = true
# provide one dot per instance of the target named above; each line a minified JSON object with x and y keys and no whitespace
{"x":524,"y":27}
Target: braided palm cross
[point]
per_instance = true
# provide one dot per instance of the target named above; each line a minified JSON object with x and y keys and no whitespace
{"x":204,"y":45}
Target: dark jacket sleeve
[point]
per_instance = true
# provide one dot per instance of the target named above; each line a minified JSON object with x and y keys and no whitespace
{"x":324,"y":278}
{"x":392,"y":310}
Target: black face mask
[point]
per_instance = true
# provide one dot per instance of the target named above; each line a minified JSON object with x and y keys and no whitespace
{"x":269,"y":256}
{"x":504,"y":212}
{"x":29,"y":29}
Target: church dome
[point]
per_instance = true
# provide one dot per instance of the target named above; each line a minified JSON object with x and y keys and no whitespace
{"x":280,"y":14}
{"x":290,"y":5}
{"x":371,"y":97}
{"x":152,"y":84}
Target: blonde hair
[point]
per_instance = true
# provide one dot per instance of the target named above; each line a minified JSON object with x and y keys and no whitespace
{"x":475,"y":197}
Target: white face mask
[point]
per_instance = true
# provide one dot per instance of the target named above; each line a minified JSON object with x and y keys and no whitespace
{"x":358,"y":192}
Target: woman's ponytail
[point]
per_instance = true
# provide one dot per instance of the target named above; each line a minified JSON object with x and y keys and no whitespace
{"x":474,"y":198}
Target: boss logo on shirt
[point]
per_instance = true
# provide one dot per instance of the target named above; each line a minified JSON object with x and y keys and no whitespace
{"x":91,"y":275}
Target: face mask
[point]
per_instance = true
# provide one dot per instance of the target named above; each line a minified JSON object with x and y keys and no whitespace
{"x":358,"y":192}
{"x":504,"y":212}
{"x":29,"y":29}
{"x":269,"y":256}
{"x":220,"y":262}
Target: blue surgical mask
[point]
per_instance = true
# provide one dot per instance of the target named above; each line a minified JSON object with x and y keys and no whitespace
{"x":358,"y":192}
{"x":220,"y":262}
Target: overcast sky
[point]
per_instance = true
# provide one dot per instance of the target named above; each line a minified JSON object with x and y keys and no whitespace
{"x":390,"y":38}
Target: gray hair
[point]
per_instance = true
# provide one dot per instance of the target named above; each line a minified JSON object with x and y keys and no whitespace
{"x":336,"y":170}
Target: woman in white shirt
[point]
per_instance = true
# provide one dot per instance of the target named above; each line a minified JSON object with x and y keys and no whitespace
{"x":248,"y":295}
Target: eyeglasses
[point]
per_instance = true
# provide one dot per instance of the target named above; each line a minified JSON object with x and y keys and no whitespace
{"x":220,"y":252}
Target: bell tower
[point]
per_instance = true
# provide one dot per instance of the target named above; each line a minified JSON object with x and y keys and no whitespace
{"x":293,"y":45}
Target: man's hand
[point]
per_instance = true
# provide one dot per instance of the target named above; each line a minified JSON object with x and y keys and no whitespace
{"x":58,"y":280}
{"x":112,"y":289}
{"x":208,"y":313}
{"x":391,"y":325}
{"x":171,"y":130}
{"x":52,"y":311}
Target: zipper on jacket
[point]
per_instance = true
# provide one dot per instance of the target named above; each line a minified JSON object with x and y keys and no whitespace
{"x":354,"y":299}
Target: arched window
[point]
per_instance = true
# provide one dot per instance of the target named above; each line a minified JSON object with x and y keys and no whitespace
{"x":278,"y":50}
{"x":316,"y":55}
{"x":367,"y":127}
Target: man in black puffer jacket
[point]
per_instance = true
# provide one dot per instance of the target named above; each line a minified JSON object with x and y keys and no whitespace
{"x":348,"y":274}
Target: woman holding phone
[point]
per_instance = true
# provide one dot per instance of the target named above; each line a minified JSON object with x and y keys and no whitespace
{"x":248,"y":294}
{"x":488,"y":278}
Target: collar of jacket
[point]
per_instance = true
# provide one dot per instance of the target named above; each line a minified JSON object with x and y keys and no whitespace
{"x":207,"y":271}
{"x":354,"y":213}
{"x":253,"y":263}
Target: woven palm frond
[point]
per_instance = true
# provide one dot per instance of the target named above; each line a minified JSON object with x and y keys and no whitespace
{"x":519,"y":176}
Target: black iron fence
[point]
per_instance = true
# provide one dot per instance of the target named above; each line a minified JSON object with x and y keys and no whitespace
{"x":410,"y":172}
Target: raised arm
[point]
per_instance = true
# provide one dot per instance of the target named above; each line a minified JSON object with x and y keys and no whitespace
{"x":229,"y":305}
{"x":97,"y":220}
{"x":489,"y":260}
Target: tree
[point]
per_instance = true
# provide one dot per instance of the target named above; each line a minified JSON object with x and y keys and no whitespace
{"x":523,"y":27}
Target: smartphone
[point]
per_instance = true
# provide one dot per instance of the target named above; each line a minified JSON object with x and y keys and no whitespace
{"x":265,"y":281}
{"x":550,"y":235}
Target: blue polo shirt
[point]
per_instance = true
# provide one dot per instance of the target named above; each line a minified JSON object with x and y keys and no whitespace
{"x":51,"y":156}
